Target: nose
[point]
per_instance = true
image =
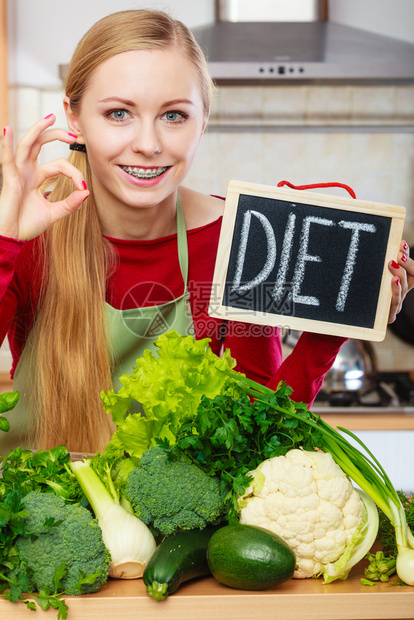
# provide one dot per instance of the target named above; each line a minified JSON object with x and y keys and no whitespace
{"x":146,"y":139}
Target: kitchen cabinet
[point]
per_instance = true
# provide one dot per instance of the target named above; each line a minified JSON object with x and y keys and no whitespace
{"x":205,"y":599}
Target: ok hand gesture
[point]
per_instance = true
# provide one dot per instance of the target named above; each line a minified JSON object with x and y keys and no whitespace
{"x":24,"y":212}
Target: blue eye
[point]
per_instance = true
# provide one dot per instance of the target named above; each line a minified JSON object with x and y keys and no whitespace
{"x":117,"y":115}
{"x":171,"y":116}
{"x":174,"y":117}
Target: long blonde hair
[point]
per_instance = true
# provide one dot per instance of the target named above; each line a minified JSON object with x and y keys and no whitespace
{"x":68,"y":341}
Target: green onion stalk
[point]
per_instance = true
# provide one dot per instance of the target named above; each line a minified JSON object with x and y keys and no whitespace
{"x":362,"y":467}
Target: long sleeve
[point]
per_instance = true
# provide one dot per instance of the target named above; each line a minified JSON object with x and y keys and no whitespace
{"x":304,"y":369}
{"x":9,"y":293}
{"x":19,"y":279}
{"x":257,"y":349}
{"x":258,"y":352}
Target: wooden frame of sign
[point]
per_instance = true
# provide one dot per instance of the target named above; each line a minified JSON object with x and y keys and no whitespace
{"x":306,"y":261}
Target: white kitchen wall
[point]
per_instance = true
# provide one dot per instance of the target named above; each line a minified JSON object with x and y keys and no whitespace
{"x":44,"y":33}
{"x":392,"y":18}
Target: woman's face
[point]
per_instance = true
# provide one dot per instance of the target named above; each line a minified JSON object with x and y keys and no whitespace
{"x":141,"y":118}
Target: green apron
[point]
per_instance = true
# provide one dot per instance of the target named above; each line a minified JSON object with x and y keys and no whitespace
{"x":129,"y":331}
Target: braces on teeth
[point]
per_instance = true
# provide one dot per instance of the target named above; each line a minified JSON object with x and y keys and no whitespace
{"x":140,"y":173}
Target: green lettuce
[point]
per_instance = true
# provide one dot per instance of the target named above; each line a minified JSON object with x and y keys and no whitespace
{"x":168,"y":386}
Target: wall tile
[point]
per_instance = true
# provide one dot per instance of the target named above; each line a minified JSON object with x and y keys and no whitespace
{"x":371,"y":186}
{"x":329,"y":105}
{"x":284,"y":157}
{"x":404,"y":103}
{"x":403,"y":156}
{"x":5,"y":357}
{"x":373,"y":104}
{"x":371,"y":152}
{"x":240,"y":105}
{"x":285,"y":106}
{"x":28,"y":109}
{"x":51,"y":101}
{"x":394,"y":354}
{"x":241,"y":157}
{"x":327,"y":157}
{"x":204,"y":174}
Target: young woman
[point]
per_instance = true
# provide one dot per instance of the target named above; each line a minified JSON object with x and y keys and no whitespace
{"x":102,"y":252}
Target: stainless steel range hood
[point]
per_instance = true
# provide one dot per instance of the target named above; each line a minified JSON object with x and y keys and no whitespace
{"x":314,"y":51}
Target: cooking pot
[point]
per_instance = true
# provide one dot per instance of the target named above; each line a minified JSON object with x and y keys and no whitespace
{"x":354,"y":365}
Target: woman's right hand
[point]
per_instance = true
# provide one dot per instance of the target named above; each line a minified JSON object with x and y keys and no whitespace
{"x":24,"y":212}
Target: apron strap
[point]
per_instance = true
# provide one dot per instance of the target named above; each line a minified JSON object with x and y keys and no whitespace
{"x":182,"y":242}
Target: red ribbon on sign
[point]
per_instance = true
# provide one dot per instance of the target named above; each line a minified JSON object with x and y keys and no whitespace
{"x":318,"y":185}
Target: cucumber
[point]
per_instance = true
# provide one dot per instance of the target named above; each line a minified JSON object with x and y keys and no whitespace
{"x":178,"y":558}
{"x":247,"y":557}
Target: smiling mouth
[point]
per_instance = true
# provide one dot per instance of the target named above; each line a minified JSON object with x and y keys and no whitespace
{"x":144,"y":173}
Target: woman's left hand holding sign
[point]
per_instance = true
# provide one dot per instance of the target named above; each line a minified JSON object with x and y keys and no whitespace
{"x":402,"y":281}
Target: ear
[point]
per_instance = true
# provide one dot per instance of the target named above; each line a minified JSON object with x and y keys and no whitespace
{"x":73,"y":120}
{"x":203,"y":128}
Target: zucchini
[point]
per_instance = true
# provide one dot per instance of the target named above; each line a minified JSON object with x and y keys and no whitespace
{"x":178,"y":558}
{"x":247,"y":557}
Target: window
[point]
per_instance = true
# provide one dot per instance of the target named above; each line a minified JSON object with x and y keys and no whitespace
{"x":271,"y":10}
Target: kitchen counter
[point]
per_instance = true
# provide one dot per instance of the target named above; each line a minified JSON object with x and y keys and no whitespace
{"x":205,"y":599}
{"x":366,"y":418}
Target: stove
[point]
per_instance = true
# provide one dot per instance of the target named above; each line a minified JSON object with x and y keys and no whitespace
{"x":384,"y":392}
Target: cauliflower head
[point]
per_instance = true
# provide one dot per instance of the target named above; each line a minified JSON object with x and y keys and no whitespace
{"x":307,"y":500}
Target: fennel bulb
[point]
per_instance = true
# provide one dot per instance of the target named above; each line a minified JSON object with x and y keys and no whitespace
{"x":128,"y":540}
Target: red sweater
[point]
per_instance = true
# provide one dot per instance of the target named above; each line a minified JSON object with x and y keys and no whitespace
{"x":257,"y":349}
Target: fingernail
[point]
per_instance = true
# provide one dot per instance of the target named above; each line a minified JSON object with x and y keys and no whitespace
{"x":394,"y":265}
{"x":72,"y":135}
{"x":4,"y":131}
{"x":48,"y":116}
{"x":405,"y":245}
{"x":397,"y":281}
{"x":84,"y":185}
{"x":403,"y":258}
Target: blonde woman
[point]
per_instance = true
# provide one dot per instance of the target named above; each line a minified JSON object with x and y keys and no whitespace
{"x":102,"y":252}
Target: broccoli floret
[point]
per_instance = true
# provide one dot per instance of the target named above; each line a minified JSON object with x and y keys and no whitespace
{"x":57,"y":532}
{"x":172,"y":495}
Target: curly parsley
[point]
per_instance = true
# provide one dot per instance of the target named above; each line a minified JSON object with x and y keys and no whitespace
{"x":230,"y":435}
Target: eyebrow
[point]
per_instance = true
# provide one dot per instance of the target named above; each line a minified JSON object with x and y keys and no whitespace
{"x":132,"y":104}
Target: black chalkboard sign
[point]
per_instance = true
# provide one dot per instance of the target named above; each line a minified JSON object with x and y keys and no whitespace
{"x":307,"y":261}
